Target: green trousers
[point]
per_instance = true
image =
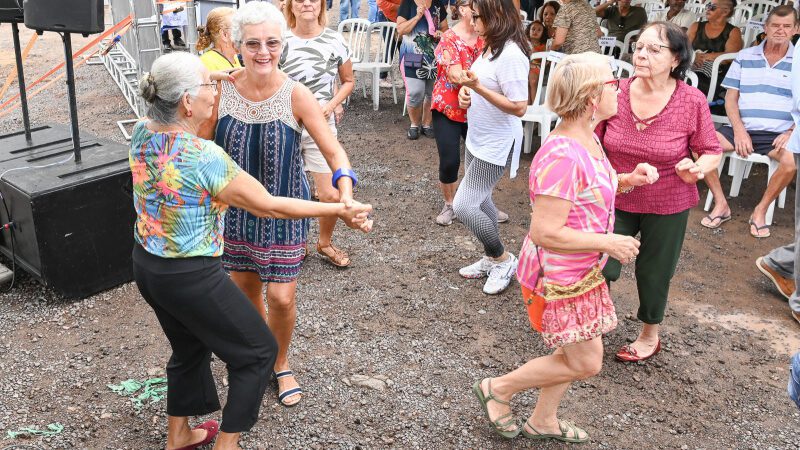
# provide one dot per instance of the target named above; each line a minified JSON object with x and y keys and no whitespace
{"x":661,"y":243}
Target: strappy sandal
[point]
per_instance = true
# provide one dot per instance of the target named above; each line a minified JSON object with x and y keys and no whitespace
{"x":334,"y":255}
{"x":569,"y":433}
{"x":283,"y":395}
{"x":498,"y":425}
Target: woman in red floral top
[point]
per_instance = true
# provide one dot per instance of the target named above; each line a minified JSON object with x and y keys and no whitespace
{"x":457,"y":50}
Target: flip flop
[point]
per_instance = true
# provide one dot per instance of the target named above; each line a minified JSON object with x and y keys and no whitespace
{"x":569,"y":433}
{"x":711,"y":219}
{"x":288,"y":392}
{"x":758,"y":234}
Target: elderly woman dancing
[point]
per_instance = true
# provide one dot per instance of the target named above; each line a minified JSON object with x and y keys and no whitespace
{"x":572,"y":189}
{"x":662,"y":120}
{"x":315,"y":55}
{"x":182,"y":186}
{"x":259,"y":121}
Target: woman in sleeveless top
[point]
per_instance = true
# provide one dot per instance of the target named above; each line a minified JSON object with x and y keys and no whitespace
{"x":727,"y":39}
{"x":259,"y":121}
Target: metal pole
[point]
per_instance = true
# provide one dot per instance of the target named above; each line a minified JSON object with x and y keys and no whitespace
{"x":191,"y":26}
{"x":23,"y":97}
{"x":73,"y":106}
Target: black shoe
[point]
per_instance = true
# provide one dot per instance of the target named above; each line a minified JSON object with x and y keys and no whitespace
{"x":179,"y":42}
{"x":413,"y":133}
{"x":428,"y":132}
{"x":167,"y":45}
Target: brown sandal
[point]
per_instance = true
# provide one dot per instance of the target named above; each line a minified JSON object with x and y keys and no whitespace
{"x":334,"y":255}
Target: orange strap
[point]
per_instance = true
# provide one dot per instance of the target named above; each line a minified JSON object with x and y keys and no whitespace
{"x":124,"y":22}
{"x":13,"y":75}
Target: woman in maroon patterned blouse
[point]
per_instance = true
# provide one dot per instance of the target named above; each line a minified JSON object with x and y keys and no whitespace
{"x":660,"y":120}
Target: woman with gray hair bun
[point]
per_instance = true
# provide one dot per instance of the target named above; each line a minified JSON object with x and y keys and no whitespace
{"x":182,"y":185}
{"x":258,"y":120}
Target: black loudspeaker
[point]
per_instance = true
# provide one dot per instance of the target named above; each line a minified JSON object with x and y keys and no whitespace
{"x":73,"y":223}
{"x":70,"y":16}
{"x":11,"y":11}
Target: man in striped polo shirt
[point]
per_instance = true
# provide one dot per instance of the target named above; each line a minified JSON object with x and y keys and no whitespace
{"x":758,"y":104}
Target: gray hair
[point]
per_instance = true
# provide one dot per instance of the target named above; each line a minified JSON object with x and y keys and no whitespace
{"x":256,"y":13}
{"x":171,"y":76}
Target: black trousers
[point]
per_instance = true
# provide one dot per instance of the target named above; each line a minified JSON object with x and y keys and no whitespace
{"x":448,"y":141}
{"x":201,"y":311}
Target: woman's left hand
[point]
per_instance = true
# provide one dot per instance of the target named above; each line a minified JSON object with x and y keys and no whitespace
{"x":689,"y":171}
{"x":469,"y":79}
{"x":338,"y":113}
{"x":643,"y":174}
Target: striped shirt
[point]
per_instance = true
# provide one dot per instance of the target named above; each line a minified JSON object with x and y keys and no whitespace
{"x":765,"y":93}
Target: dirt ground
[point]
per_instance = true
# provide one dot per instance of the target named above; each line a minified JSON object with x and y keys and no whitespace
{"x":403,"y":316}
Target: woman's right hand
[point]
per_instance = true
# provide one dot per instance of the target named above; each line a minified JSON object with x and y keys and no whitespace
{"x":464,"y":100}
{"x":357,"y":216}
{"x":622,"y":248}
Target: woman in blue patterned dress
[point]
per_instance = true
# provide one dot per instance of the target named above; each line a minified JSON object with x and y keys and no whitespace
{"x":259,"y":121}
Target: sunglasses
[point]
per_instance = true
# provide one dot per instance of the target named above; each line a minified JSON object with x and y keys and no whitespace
{"x":253,"y":45}
{"x":711,"y":6}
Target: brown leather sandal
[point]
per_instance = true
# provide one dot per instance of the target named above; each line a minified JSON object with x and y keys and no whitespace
{"x":334,"y":255}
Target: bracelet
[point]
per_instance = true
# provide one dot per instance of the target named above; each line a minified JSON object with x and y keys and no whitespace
{"x":621,"y":190}
{"x":344,"y":172}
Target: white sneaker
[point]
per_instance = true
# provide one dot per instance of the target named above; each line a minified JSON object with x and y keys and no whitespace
{"x":501,"y":217}
{"x":477,"y":270}
{"x":447,"y":215}
{"x":500,"y":276}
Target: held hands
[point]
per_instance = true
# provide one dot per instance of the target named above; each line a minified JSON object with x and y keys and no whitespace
{"x":643,"y":174}
{"x":356,"y":216}
{"x":469,"y":79}
{"x":689,"y":171}
{"x":622,"y":248}
{"x":464,"y":99}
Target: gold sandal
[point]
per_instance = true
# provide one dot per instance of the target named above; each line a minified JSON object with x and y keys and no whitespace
{"x":334,"y":255}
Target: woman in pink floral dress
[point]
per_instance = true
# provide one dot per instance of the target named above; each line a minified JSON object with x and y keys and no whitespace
{"x":572,"y":190}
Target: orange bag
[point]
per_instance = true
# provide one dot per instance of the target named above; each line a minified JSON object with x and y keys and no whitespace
{"x":535,"y":304}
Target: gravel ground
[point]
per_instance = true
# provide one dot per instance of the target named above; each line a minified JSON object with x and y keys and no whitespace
{"x":386,"y":350}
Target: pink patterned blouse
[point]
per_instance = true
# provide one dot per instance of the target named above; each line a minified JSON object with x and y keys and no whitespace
{"x":682,"y":127}
{"x":445,"y":93}
{"x":563,"y":168}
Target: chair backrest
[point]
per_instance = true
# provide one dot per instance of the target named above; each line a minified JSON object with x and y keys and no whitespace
{"x":651,"y":7}
{"x":357,"y":38}
{"x":547,"y":62}
{"x":627,"y":44}
{"x":752,"y":28}
{"x":622,"y":69}
{"x":604,"y":30}
{"x":608,"y":44}
{"x":759,"y":7}
{"x":523,"y":15}
{"x":712,"y":87}
{"x":691,"y":78}
{"x":698,"y":7}
{"x":386,"y":34}
{"x":741,"y":14}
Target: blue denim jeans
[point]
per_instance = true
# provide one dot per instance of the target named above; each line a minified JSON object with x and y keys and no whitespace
{"x":372,"y":16}
{"x":348,"y":9}
{"x":794,"y":379}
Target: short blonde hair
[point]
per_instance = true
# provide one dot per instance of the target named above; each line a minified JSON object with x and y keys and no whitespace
{"x":291,"y":20}
{"x":576,"y":80}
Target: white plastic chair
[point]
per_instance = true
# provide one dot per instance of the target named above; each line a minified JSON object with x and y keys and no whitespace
{"x":382,"y":61}
{"x":604,"y":30}
{"x":741,"y":14}
{"x":712,"y":87}
{"x":622,"y":69}
{"x":751,"y":29}
{"x":758,"y":7}
{"x":739,"y":169}
{"x":357,"y":38}
{"x":537,"y":112}
{"x":698,"y":7}
{"x":608,"y":44}
{"x":523,"y":15}
{"x":628,"y":42}
{"x":691,"y":78}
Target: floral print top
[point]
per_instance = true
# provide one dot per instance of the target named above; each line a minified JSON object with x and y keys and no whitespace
{"x":416,"y":49}
{"x":445,"y":93}
{"x":176,"y":176}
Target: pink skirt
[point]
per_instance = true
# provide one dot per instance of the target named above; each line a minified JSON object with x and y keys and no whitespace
{"x":578,"y":319}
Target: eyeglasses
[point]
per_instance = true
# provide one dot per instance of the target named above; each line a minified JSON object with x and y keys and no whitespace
{"x":614,"y":82}
{"x":653,"y":49}
{"x":711,"y":6}
{"x":253,"y":46}
{"x":212,"y":85}
{"x":300,"y":2}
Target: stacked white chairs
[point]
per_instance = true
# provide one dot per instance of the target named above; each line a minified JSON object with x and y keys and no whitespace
{"x":627,"y":44}
{"x":538,"y":113}
{"x":753,"y":27}
{"x":385,"y":33}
